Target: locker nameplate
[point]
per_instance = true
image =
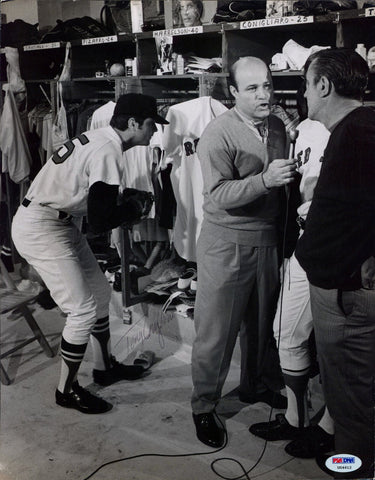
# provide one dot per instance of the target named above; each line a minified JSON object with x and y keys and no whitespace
{"x":178,"y":31}
{"x":98,"y":40}
{"x":276,"y":22}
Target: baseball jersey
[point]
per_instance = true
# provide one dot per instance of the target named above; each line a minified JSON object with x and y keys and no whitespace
{"x":310,"y":145}
{"x":63,"y":182}
{"x":187,"y":121}
{"x":102,"y":115}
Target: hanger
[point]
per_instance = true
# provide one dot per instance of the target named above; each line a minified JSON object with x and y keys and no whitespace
{"x":45,"y":94}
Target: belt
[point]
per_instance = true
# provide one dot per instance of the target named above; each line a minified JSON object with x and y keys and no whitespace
{"x":62,"y":215}
{"x":301,"y":222}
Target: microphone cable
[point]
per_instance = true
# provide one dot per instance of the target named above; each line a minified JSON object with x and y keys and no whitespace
{"x":162,"y":455}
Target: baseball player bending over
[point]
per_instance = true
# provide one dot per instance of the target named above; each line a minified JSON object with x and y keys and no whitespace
{"x":83,"y":178}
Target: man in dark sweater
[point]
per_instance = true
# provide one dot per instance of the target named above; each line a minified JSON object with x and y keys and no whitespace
{"x":242,"y":154}
{"x":337,"y":252}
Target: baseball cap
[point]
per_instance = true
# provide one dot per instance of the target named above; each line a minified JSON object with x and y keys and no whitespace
{"x":139,"y":105}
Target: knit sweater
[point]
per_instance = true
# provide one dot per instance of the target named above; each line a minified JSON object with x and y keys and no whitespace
{"x":340,"y":226}
{"x":232,"y":160}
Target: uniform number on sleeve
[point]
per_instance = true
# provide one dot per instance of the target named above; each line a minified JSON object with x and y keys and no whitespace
{"x":68,"y":147}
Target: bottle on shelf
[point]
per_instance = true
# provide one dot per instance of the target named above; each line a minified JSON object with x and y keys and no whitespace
{"x":134,"y":67}
{"x":174,"y":63}
{"x":128,"y":67}
{"x":180,"y":65}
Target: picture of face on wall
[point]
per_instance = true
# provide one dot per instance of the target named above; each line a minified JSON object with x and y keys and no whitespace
{"x":191,"y":13}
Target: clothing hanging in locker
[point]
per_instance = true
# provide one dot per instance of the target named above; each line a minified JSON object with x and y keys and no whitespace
{"x":187,"y":120}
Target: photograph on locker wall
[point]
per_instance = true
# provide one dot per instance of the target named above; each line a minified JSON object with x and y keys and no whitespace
{"x":187,"y":264}
{"x":191,"y":13}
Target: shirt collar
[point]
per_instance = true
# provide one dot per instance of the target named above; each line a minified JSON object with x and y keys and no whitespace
{"x":260,"y":129}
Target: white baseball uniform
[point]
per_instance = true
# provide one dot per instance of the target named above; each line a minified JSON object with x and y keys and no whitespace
{"x":295,"y":325}
{"x":187,"y":122}
{"x":46,"y":236}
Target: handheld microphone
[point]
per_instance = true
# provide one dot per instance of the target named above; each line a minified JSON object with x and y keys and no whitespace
{"x":293,"y":135}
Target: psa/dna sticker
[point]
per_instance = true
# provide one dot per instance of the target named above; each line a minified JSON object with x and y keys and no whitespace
{"x":343,"y":463}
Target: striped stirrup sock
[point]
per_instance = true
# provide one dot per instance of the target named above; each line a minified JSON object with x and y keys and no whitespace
{"x":101,"y":344}
{"x":72,"y":356}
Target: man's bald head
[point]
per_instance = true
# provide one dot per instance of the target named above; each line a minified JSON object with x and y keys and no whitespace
{"x":244,"y":63}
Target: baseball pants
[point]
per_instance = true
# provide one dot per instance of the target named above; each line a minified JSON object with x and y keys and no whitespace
{"x":293,"y":320}
{"x":61,"y":255}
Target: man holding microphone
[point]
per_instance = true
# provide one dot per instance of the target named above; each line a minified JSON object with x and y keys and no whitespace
{"x":242,"y":154}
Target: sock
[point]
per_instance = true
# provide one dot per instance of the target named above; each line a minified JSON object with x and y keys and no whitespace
{"x":101,"y":344}
{"x":326,"y":422}
{"x":296,"y":383}
{"x":6,"y":257}
{"x":71,"y":358}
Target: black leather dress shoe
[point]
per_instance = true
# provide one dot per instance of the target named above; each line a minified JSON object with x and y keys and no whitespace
{"x":312,"y":441}
{"x":208,"y":431}
{"x":273,"y":399}
{"x":82,"y":400}
{"x":279,"y":429}
{"x":117,"y":372}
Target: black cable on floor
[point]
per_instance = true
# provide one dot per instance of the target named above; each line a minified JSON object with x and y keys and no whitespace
{"x":194,"y":454}
{"x":159,"y":455}
{"x":245,"y":472}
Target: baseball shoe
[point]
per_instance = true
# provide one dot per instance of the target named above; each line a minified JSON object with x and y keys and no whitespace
{"x":82,"y":400}
{"x":208,"y":431}
{"x":117,"y":372}
{"x":279,"y":429}
{"x":313,"y":441}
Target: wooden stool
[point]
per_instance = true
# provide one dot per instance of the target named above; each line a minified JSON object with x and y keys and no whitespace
{"x":12,"y":299}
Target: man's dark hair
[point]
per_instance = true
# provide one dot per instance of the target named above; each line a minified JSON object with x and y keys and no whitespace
{"x":344,"y":67}
{"x":301,"y":102}
{"x":121,"y":121}
{"x":198,"y":4}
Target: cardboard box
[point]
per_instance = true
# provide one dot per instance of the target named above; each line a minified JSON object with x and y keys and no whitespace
{"x":154,"y":14}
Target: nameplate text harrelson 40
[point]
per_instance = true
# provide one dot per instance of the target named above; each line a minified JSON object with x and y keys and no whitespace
{"x":178,"y":31}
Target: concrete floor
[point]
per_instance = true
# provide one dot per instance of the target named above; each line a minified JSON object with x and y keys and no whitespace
{"x":40,"y":441}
